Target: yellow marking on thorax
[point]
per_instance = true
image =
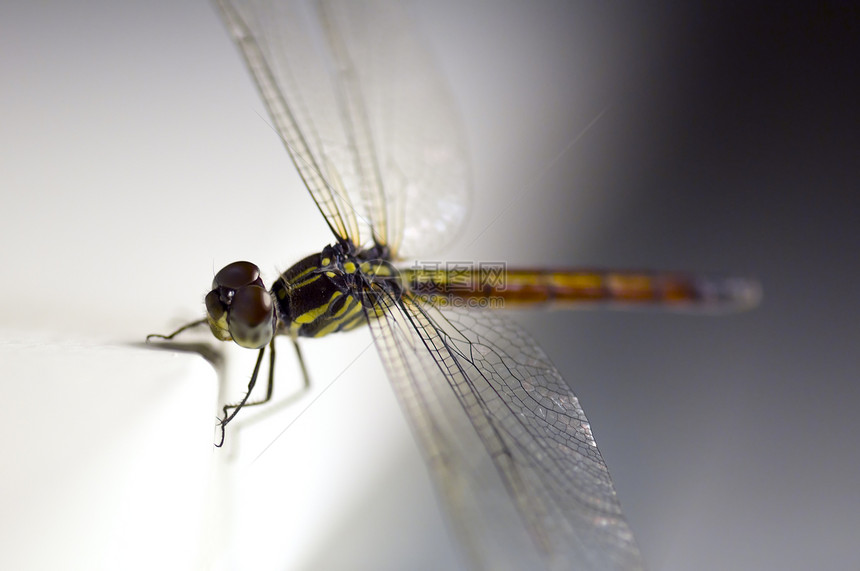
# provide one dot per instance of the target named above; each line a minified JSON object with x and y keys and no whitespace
{"x":344,"y":314}
{"x":303,"y":273}
{"x":298,"y":281}
{"x":306,"y":282}
{"x":348,"y":305}
{"x":310,"y":315}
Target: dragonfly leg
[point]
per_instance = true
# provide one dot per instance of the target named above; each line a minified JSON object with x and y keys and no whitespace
{"x":177,"y":332}
{"x":228,"y":416}
{"x":305,"y":377}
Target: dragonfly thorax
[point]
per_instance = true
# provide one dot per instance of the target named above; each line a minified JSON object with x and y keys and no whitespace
{"x":334,"y":290}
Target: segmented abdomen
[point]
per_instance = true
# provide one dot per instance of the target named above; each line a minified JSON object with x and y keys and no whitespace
{"x":523,"y":288}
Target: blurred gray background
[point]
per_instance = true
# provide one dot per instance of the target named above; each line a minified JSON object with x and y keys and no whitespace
{"x":728,"y":142}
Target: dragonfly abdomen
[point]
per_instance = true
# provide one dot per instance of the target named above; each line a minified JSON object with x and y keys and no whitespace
{"x":529,"y":288}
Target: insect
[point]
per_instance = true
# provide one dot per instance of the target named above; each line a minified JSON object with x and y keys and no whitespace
{"x":373,"y":135}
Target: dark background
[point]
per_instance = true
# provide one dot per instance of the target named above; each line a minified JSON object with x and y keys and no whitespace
{"x":730,"y":143}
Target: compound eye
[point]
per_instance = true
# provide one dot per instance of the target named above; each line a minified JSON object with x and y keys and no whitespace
{"x":236,"y":275}
{"x":251,"y":317}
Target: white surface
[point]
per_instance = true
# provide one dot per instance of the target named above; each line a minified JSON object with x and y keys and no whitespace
{"x":105,"y":456}
{"x":331,"y":481}
{"x":109,"y":464}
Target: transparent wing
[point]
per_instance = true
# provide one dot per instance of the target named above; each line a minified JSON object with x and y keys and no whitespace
{"x":501,"y":430}
{"x":356,"y":99}
{"x":262,"y":44}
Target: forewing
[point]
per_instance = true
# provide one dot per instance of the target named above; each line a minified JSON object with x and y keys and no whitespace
{"x":355,"y":97}
{"x":280,"y":42}
{"x":412,"y":131}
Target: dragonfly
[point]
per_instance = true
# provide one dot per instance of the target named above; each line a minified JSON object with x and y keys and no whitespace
{"x":375,"y":137}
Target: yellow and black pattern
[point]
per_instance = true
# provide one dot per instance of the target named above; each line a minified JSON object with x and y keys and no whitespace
{"x":332,"y":291}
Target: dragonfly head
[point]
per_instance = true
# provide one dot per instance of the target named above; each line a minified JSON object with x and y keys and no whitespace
{"x":239,"y":308}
